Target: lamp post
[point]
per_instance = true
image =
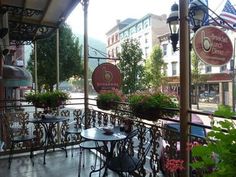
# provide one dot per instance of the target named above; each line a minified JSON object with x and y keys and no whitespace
{"x":182,"y":17}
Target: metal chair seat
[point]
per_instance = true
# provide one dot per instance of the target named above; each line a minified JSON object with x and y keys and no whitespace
{"x":74,"y":133}
{"x":90,"y":145}
{"x":15,"y":137}
{"x":123,"y":163}
{"x":23,"y":138}
{"x":126,"y":162}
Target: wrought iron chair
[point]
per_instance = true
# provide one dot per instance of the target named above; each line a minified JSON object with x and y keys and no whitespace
{"x":72,"y":134}
{"x":126,"y":161}
{"x":16,"y":135}
{"x":90,"y":145}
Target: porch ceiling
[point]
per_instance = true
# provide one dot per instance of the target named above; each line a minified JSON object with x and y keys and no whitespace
{"x":29,"y":20}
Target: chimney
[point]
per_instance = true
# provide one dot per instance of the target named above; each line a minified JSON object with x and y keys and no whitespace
{"x":117,"y":21}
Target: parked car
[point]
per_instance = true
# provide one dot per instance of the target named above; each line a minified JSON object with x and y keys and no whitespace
{"x":172,"y":129}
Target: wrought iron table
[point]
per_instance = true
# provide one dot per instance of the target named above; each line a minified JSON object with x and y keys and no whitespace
{"x":98,"y":134}
{"x":48,"y":124}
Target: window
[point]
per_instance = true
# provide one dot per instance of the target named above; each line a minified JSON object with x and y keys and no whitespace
{"x":117,"y":51}
{"x":223,"y":68}
{"x":112,"y":53}
{"x":164,"y":49}
{"x":108,"y":41}
{"x":140,"y":39}
{"x":112,"y":39}
{"x":146,"y":37}
{"x":146,"y":23}
{"x":116,"y":37}
{"x":126,"y":34}
{"x":121,"y":35}
{"x":231,"y":65}
{"x":139,"y":27}
{"x":146,"y":52}
{"x":132,"y":30}
{"x":174,"y":68}
{"x":208,"y":69}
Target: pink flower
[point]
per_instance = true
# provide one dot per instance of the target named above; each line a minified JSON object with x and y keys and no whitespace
{"x":191,"y":145}
{"x":173,"y":165}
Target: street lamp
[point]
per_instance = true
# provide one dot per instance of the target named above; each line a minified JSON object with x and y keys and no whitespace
{"x":197,"y":16}
{"x":197,"y":13}
{"x":173,"y":21}
{"x":183,"y":17}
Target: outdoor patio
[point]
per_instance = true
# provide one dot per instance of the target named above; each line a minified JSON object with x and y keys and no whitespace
{"x":57,"y":165}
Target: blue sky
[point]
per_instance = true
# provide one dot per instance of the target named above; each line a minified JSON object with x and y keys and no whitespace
{"x":102,"y":14}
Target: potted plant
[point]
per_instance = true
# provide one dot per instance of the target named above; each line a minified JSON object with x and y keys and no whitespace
{"x":108,"y":99}
{"x":47,"y":99}
{"x":150,"y":106}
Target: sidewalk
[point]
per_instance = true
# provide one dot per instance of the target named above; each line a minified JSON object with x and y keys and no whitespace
{"x":208,"y":107}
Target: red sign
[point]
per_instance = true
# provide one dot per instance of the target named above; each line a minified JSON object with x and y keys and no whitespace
{"x":212,"y":46}
{"x":105,"y":77}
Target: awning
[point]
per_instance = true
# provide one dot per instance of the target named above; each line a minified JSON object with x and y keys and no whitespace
{"x":29,"y":20}
{"x":14,"y":76}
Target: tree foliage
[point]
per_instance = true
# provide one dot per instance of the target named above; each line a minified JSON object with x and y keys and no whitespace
{"x":131,"y":65}
{"x":154,"y":76}
{"x":197,"y":65}
{"x":69,"y":58}
{"x":197,"y":77}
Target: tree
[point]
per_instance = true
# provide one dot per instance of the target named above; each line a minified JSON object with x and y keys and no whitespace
{"x":197,"y":77}
{"x":154,"y":76}
{"x":69,"y":56}
{"x":131,"y":65}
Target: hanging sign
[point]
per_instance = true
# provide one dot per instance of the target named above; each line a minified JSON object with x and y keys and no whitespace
{"x":106,"y":77}
{"x":212,"y":46}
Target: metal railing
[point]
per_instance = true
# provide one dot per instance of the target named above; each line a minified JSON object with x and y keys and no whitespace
{"x":164,"y":139}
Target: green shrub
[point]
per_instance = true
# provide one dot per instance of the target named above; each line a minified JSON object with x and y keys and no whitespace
{"x":47,"y":99}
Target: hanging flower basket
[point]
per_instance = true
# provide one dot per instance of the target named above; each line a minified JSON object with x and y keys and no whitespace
{"x":150,"y":106}
{"x":151,"y":114}
{"x":106,"y":105}
{"x":108,"y":99}
{"x":47,"y":99}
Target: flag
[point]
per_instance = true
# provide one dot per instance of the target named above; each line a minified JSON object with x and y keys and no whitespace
{"x":227,"y":17}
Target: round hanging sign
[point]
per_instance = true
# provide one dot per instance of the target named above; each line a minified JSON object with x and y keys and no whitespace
{"x":106,"y":77}
{"x":212,"y":45}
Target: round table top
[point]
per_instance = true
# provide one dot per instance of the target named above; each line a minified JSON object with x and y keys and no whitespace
{"x":54,"y":119}
{"x":97,"y":134}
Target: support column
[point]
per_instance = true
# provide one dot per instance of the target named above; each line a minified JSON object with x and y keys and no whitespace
{"x":35,"y":67}
{"x":184,"y":85}
{"x":2,"y":92}
{"x":58,"y":59}
{"x":85,"y":5}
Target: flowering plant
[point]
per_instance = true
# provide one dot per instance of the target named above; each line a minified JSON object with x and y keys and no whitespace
{"x":47,"y":99}
{"x":218,"y":157}
{"x":107,"y":99}
{"x":152,"y":105}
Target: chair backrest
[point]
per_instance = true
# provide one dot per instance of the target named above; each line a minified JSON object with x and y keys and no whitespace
{"x":125,"y":145}
{"x":142,"y":160}
{"x":132,"y":134}
{"x":7,"y":131}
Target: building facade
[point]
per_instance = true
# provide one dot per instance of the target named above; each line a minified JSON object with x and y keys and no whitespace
{"x":145,"y":30}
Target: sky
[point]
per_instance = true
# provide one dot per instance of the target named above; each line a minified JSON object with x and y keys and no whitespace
{"x":103,"y":14}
